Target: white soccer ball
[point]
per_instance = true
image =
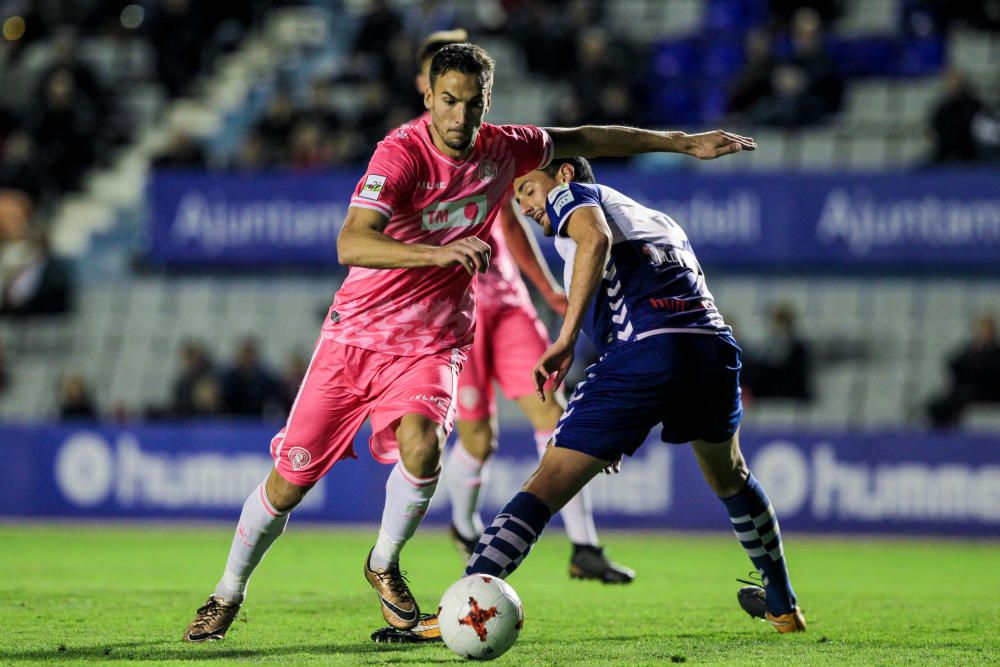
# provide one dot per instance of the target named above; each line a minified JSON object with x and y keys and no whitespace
{"x":480,"y":617}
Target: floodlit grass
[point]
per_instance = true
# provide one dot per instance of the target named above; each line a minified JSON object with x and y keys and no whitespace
{"x":79,"y":594}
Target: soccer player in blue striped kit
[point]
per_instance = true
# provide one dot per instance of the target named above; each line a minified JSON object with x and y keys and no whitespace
{"x":666,"y":357}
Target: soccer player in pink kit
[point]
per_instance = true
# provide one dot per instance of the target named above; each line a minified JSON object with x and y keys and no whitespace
{"x":397,"y":333}
{"x":509,"y":339}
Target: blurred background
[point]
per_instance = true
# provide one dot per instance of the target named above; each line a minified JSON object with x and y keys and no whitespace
{"x":173,"y":176}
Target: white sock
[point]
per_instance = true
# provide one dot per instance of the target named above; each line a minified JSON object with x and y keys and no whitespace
{"x":406,"y":499}
{"x":464,"y":475}
{"x":259,"y":526}
{"x":577,"y":514}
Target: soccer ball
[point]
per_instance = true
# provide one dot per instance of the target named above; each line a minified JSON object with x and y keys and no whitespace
{"x":480,"y":617}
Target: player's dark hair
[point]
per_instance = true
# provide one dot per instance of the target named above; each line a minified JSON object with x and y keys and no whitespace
{"x":582,"y":173}
{"x":465,"y":58}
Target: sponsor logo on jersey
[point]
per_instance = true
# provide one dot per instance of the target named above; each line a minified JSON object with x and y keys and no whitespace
{"x":430,"y":185}
{"x":372,"y":188}
{"x":464,"y":212}
{"x":437,"y":400}
{"x":487,"y":171}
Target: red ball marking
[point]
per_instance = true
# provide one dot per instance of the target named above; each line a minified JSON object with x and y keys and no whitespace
{"x":476,"y":618}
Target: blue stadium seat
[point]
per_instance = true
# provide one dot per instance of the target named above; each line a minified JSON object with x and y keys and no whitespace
{"x":922,"y":56}
{"x":866,"y":56}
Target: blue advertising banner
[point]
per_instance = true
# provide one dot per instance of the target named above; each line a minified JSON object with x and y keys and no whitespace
{"x":925,"y":220}
{"x":886,"y":483}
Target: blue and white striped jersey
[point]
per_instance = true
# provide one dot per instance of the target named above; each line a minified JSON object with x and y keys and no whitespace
{"x":652,"y":282}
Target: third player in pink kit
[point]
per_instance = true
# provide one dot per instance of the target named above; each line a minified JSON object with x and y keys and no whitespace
{"x":399,"y":328}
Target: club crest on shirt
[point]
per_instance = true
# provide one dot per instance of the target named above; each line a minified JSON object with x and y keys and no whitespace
{"x":299,"y":457}
{"x":372,"y":189}
{"x":487,"y":171}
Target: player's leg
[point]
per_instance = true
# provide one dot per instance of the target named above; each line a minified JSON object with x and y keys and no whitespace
{"x":608,"y":420}
{"x":467,"y":466}
{"x":507,"y":541}
{"x":587,"y":560}
{"x":409,"y":426}
{"x":465,"y":472}
{"x":303,"y":451}
{"x":714,"y":397}
{"x":755,"y":524}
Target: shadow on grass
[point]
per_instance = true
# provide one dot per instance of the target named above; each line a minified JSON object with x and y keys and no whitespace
{"x":176,"y":650}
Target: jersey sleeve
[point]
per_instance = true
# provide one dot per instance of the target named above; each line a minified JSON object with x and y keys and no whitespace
{"x":388,"y":182}
{"x":530,"y":145}
{"x":565,"y":199}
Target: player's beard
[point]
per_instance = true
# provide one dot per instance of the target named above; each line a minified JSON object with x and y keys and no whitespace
{"x":459,"y":144}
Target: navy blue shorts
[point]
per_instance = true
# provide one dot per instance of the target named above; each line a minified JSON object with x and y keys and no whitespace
{"x":690,"y":383}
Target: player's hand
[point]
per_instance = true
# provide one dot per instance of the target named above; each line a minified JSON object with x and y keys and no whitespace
{"x":558,"y":302}
{"x":710,"y":145}
{"x":556,"y":360}
{"x":471,"y":253}
{"x":613,"y":467}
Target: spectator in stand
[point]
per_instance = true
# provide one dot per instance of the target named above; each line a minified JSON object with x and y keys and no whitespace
{"x":178,"y":36}
{"x":191,"y":385}
{"x":3,"y":370}
{"x":309,"y":147}
{"x":183,"y":152}
{"x":35,"y":282}
{"x":249,"y":389}
{"x":19,"y":168}
{"x":373,"y":41}
{"x":975,"y":375}
{"x":75,"y":401}
{"x":275,"y":128}
{"x":88,"y":91}
{"x":252,"y":155}
{"x":805,"y":87}
{"x":780,"y":366}
{"x":291,"y":378}
{"x":986,"y":129}
{"x":951,"y":122}
{"x":64,"y":131}
{"x":782,"y":12}
{"x":373,"y":120}
{"x":753,"y":83}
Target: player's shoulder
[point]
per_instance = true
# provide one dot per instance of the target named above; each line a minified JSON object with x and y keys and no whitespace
{"x":562,"y":195}
{"x":505,"y":133}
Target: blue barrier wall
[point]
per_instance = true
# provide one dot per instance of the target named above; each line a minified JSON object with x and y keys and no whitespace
{"x":926,"y":220}
{"x":891,"y":483}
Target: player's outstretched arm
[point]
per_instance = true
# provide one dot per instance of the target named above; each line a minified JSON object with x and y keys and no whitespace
{"x":588,"y":228}
{"x":363,"y":242}
{"x":618,"y":141}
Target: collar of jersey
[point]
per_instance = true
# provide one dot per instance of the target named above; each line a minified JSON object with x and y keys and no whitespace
{"x":425,"y":136}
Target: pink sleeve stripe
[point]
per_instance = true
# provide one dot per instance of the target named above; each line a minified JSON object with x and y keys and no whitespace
{"x":548,"y":149}
{"x":373,"y":205}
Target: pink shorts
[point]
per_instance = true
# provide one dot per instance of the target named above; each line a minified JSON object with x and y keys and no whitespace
{"x":508,"y":343}
{"x":343,"y":386}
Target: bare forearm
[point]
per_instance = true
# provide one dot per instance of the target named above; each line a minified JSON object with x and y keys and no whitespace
{"x":588,"y":267}
{"x":615,"y":141}
{"x":374,"y":250}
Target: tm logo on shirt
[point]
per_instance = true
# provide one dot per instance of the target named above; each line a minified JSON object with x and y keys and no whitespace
{"x":464,"y":212}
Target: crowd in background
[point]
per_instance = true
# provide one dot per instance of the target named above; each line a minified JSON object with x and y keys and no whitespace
{"x":68,"y":115}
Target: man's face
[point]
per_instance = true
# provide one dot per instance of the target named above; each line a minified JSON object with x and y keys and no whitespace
{"x":457,"y":103}
{"x":530,"y":191}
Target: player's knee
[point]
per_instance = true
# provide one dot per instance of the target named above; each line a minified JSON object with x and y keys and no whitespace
{"x":420,"y":445}
{"x":282,"y":494}
{"x":478,"y":439}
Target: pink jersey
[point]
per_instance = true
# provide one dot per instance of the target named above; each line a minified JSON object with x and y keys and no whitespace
{"x":502,"y":285}
{"x":432,"y":199}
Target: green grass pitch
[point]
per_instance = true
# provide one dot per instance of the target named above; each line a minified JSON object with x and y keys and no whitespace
{"x":125,"y":594}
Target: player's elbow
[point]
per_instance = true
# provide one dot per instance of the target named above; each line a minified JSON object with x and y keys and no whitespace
{"x":346,"y":251}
